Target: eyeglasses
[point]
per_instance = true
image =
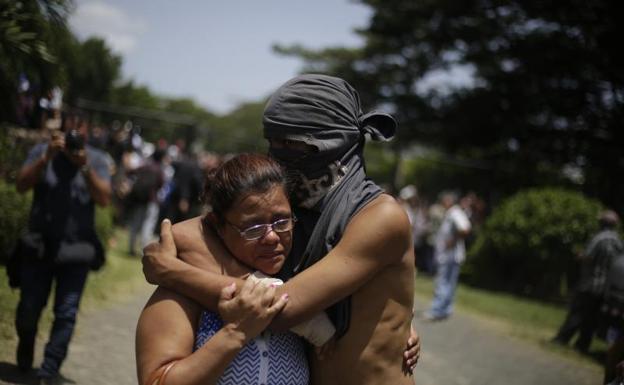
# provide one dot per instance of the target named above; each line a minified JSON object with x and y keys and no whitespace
{"x":258,"y":231}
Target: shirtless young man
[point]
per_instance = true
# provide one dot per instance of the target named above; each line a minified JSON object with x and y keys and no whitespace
{"x":352,"y":251}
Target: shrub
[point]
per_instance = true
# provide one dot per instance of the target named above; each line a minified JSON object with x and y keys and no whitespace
{"x":529,"y":243}
{"x":14,"y":210}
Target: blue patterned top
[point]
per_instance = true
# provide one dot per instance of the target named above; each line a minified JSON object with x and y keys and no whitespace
{"x":269,"y":359}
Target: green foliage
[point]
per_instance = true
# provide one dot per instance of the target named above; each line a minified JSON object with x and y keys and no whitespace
{"x":14,"y":210}
{"x":104,"y":226}
{"x":92,"y":70}
{"x":28,"y":35}
{"x":239,"y":131}
{"x":529,"y":243}
{"x":380,"y":164}
{"x":432,"y":173}
{"x":540,"y":88}
{"x":14,"y":145}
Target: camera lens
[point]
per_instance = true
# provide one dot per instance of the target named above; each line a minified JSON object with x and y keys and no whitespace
{"x":74,"y":141}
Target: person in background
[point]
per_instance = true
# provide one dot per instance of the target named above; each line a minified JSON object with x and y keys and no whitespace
{"x":68,"y":178}
{"x":186,"y":186}
{"x":450,"y":252}
{"x":142,"y":200}
{"x":584,"y":310}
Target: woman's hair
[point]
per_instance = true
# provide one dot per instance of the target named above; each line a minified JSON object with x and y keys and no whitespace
{"x":239,"y":176}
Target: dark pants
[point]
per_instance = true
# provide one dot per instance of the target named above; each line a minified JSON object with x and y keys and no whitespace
{"x":36,"y":283}
{"x":583,"y":317}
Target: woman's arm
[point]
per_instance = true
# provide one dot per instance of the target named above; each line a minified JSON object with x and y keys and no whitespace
{"x":167,"y":327}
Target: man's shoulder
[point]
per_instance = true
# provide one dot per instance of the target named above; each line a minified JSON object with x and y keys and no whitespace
{"x":96,"y":152}
{"x":384,"y":220}
{"x":384,"y":207}
{"x":606,"y":235}
{"x":188,"y":233}
{"x":610,"y":237}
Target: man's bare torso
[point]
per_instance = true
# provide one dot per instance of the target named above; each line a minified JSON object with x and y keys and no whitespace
{"x":371,"y":350}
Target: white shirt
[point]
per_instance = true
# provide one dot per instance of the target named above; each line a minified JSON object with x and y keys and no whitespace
{"x":455,"y":220}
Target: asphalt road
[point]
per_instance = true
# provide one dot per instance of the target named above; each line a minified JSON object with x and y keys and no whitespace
{"x":463,"y":350}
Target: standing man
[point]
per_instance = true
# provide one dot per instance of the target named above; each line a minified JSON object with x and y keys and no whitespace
{"x":352,"y":251}
{"x":450,"y":252}
{"x":142,"y":200}
{"x":68,"y":178}
{"x":595,"y":262}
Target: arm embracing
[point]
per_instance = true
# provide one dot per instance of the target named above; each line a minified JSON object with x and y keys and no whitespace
{"x":161,"y":265}
{"x":377,"y":236}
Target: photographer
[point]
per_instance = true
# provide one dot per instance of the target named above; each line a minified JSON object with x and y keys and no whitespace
{"x":61,"y":245}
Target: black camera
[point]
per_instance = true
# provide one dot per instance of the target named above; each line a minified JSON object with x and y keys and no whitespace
{"x":74,"y":142}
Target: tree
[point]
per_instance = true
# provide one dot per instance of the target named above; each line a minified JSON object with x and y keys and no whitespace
{"x":92,"y":70}
{"x":239,"y":131}
{"x":28,"y":31}
{"x":543,"y":93}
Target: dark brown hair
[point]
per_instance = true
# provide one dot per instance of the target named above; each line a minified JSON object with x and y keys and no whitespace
{"x":241,"y":175}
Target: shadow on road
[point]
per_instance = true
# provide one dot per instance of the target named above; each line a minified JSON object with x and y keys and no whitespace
{"x":10,"y":374}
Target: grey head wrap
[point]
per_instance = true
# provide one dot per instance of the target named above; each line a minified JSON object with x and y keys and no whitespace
{"x":324,"y":112}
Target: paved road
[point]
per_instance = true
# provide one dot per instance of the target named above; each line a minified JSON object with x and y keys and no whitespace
{"x":463,"y":350}
{"x":460,"y":351}
{"x":102,"y":350}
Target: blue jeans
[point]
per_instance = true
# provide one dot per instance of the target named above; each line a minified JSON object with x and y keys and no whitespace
{"x":36,"y":283}
{"x":445,"y":285}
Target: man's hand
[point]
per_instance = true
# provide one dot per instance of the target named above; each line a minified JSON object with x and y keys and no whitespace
{"x":412,"y":352}
{"x":55,"y":144}
{"x":79,"y":158}
{"x":158,"y":256}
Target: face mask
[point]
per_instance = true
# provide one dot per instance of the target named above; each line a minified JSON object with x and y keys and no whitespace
{"x":306,"y":192}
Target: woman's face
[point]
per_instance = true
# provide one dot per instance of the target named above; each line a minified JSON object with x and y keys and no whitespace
{"x":268,"y":252}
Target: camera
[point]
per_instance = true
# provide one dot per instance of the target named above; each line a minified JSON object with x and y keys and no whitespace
{"x":74,"y":142}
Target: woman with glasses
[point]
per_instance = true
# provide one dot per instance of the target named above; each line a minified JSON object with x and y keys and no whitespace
{"x":178,"y":342}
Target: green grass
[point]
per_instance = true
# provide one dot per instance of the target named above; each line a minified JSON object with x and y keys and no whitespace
{"x":118,"y":278}
{"x":529,"y":320}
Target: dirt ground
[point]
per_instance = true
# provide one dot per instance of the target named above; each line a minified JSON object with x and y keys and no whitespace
{"x":460,"y":351}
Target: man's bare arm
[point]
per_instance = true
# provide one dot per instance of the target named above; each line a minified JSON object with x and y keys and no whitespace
{"x":377,"y":237}
{"x":198,"y":277}
{"x":366,"y":247}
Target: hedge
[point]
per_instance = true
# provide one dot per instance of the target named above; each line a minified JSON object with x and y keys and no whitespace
{"x":14,"y":209}
{"x":529,"y":243}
